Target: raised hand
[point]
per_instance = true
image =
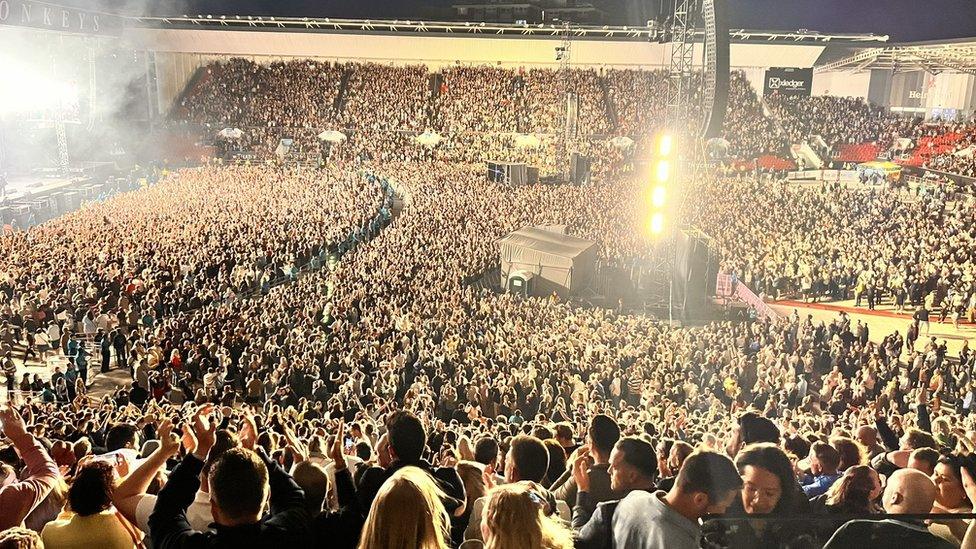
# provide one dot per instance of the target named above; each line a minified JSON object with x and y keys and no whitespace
{"x":205,"y":432}
{"x":121,"y":466}
{"x":581,"y":472}
{"x":188,"y":440}
{"x":249,"y":432}
{"x":298,"y":449}
{"x":12,"y":424}
{"x":335,"y":452}
{"x":488,"y":476}
{"x":169,"y":443}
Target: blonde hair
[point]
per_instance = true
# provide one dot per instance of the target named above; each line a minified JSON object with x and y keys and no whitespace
{"x":471,"y":473}
{"x":516,"y":520}
{"x":407,"y":514}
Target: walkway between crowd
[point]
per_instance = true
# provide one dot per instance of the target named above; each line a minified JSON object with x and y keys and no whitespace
{"x":882,"y":322}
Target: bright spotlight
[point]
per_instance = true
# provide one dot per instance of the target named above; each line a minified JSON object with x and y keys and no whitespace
{"x":657,"y":196}
{"x":665,"y":145}
{"x":657,"y":224}
{"x":663,"y":171}
{"x":26,"y":89}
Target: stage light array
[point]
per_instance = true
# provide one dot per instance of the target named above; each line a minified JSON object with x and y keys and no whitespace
{"x":658,"y":196}
{"x":662,"y":176}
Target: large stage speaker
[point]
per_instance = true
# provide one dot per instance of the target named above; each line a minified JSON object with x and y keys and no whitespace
{"x":511,"y":173}
{"x":518,"y":174}
{"x":496,"y":172}
{"x":716,"y":101}
{"x":579,"y":169}
{"x":694,"y":274}
{"x":711,"y":275}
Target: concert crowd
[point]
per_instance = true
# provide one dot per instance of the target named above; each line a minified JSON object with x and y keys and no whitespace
{"x":308,"y":361}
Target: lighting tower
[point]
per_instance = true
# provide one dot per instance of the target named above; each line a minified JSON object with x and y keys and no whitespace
{"x":566,"y":142}
{"x":680,"y":106}
{"x":671,"y":153}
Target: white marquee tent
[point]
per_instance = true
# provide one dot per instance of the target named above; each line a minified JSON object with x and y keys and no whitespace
{"x":559,"y":262}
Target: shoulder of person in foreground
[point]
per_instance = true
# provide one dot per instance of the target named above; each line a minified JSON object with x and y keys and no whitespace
{"x":883,"y":533}
{"x":597,"y":531}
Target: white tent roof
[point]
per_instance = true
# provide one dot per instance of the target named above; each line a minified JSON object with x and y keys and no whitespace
{"x":547,"y":242}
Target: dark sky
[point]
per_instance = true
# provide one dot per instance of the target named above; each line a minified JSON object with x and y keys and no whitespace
{"x":903,"y":20}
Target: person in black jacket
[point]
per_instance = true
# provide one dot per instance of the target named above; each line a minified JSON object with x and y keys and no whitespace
{"x":239,"y":489}
{"x":407,"y":441}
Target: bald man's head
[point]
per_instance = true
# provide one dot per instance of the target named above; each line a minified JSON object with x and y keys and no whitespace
{"x":909,"y":491}
{"x":867,"y":435}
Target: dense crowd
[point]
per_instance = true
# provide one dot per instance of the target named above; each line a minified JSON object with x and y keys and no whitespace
{"x":378,"y":400}
{"x":959,"y":159}
{"x":201,"y":236}
{"x":478,"y":109}
{"x":332,"y":394}
{"x":839,"y":120}
{"x":833,"y":242}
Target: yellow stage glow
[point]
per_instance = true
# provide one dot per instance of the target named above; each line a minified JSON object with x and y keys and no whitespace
{"x":657,"y":224}
{"x":663,"y":171}
{"x":658,"y":196}
{"x":665,"y":145}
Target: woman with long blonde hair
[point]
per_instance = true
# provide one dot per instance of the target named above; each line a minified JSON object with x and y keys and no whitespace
{"x":407,"y":514}
{"x":515,"y":518}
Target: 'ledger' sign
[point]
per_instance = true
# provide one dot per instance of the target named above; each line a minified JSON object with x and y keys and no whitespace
{"x":788,"y":81}
{"x":40,"y":15}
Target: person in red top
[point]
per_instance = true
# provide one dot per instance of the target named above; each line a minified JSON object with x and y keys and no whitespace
{"x":19,"y":498}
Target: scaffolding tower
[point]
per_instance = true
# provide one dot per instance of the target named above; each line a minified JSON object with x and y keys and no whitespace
{"x":681,"y":123}
{"x":681,"y":73}
{"x":567,"y":140}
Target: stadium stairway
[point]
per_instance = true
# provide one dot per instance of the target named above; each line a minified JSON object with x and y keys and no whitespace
{"x":771,"y":115}
{"x":608,"y":105}
{"x":340,"y":101}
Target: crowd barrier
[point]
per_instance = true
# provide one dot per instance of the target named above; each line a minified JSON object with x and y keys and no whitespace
{"x":830,"y":176}
{"x":16,"y":396}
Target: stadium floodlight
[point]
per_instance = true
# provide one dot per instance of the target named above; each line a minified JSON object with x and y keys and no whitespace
{"x":26,"y":89}
{"x":665,"y":145}
{"x":658,"y":196}
{"x":657,"y":224}
{"x":662,"y":171}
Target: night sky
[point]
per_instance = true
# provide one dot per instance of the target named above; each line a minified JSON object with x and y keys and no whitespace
{"x":902,"y":20}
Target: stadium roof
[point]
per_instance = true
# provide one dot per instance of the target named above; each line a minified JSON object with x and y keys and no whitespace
{"x":933,"y":57}
{"x":310,"y":24}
